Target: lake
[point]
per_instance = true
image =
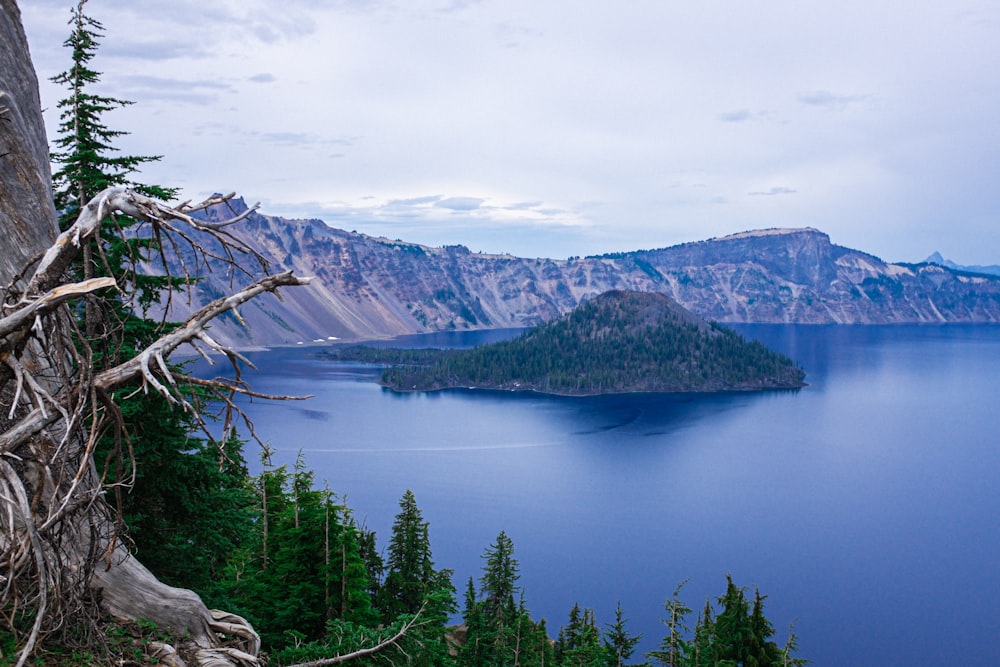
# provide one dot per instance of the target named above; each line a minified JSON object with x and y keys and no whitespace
{"x":865,"y":506}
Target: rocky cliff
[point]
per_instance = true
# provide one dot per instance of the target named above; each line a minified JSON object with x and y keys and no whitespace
{"x":367,"y":287}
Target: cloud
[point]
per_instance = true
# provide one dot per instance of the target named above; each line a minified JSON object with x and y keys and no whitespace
{"x":460,"y":203}
{"x":153,"y":50}
{"x":288,"y":138}
{"x":827,"y":100}
{"x":414,"y":201}
{"x":146,"y":87}
{"x":263,"y":77}
{"x":455,"y":6}
{"x":772,"y":192}
{"x":745,"y":115}
{"x":736,"y":116}
{"x":300,"y":139}
{"x":510,"y":36}
{"x":165,"y":83}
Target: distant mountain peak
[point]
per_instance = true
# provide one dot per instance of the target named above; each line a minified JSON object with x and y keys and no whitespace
{"x":229,"y":209}
{"x":936,"y":258}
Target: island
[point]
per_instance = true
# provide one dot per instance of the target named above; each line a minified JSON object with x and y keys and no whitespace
{"x":618,"y":342}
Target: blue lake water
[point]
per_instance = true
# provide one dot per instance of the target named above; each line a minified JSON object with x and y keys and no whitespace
{"x":865,"y":506}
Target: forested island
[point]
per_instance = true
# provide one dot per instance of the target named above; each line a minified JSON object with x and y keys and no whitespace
{"x":618,"y":342}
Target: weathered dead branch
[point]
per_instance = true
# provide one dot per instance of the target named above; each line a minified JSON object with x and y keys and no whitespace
{"x":392,"y":641}
{"x":58,"y":537}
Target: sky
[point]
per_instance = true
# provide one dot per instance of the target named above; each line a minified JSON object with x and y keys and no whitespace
{"x":551,"y":128}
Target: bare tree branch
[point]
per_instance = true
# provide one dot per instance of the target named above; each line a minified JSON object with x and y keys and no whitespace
{"x":361,"y":653}
{"x":55,"y":410}
{"x":151,"y":365}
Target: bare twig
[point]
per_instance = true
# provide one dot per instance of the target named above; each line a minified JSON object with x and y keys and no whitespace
{"x":371,"y":650}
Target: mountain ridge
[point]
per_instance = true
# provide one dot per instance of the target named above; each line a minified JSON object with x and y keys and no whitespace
{"x":368,"y":287}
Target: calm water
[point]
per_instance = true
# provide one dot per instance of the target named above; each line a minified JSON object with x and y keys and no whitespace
{"x":865,"y":505}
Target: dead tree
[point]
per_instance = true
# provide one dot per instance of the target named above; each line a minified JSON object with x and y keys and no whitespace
{"x":61,"y":557}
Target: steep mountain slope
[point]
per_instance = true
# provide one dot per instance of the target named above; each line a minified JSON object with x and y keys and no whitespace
{"x":367,"y":287}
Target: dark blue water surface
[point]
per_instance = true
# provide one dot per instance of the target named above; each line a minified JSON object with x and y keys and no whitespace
{"x":865,"y":506}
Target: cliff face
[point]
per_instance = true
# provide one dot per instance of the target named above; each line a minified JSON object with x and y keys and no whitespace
{"x":368,"y":287}
{"x":799,"y":276}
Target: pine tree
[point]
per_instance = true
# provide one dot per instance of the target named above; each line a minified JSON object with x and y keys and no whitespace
{"x":185,"y":502}
{"x":741,"y":633}
{"x":308,"y":570}
{"x":703,"y":644}
{"x":674,"y":648}
{"x":189,"y":512}
{"x":579,"y":642}
{"x":761,"y":651}
{"x":88,"y":163}
{"x":619,"y":643}
{"x":732,"y":625}
{"x":499,"y":581}
{"x":413,"y":586}
{"x":411,"y":573}
{"x":792,"y":645}
{"x":372,"y":558}
{"x":499,"y":628}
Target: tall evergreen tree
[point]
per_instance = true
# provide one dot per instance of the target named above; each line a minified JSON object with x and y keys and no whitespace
{"x":185,"y":502}
{"x":618,"y":641}
{"x":791,"y":645}
{"x":703,"y":642}
{"x":742,"y":632}
{"x":499,"y":581}
{"x":308,"y":570}
{"x":761,"y":651}
{"x":579,"y":643}
{"x":372,"y":558}
{"x":88,"y":162}
{"x":499,"y":628}
{"x":732,"y":625}
{"x":674,"y":647}
{"x":410,"y":570}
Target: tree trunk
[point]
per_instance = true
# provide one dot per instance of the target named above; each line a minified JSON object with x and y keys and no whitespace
{"x":60,"y":555}
{"x":27,"y":215}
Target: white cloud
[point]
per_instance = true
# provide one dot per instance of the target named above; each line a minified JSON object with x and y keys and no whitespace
{"x":828,"y":100}
{"x":460,"y":203}
{"x":778,"y":190}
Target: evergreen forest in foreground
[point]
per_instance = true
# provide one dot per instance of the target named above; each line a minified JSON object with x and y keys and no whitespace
{"x":276,"y":548}
{"x":292,"y":559}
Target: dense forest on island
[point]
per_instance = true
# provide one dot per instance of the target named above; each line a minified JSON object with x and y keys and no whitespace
{"x":110,"y":461}
{"x":618,"y":342}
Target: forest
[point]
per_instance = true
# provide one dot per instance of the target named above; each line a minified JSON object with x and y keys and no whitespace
{"x":618,"y":342}
{"x":148,"y":467}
